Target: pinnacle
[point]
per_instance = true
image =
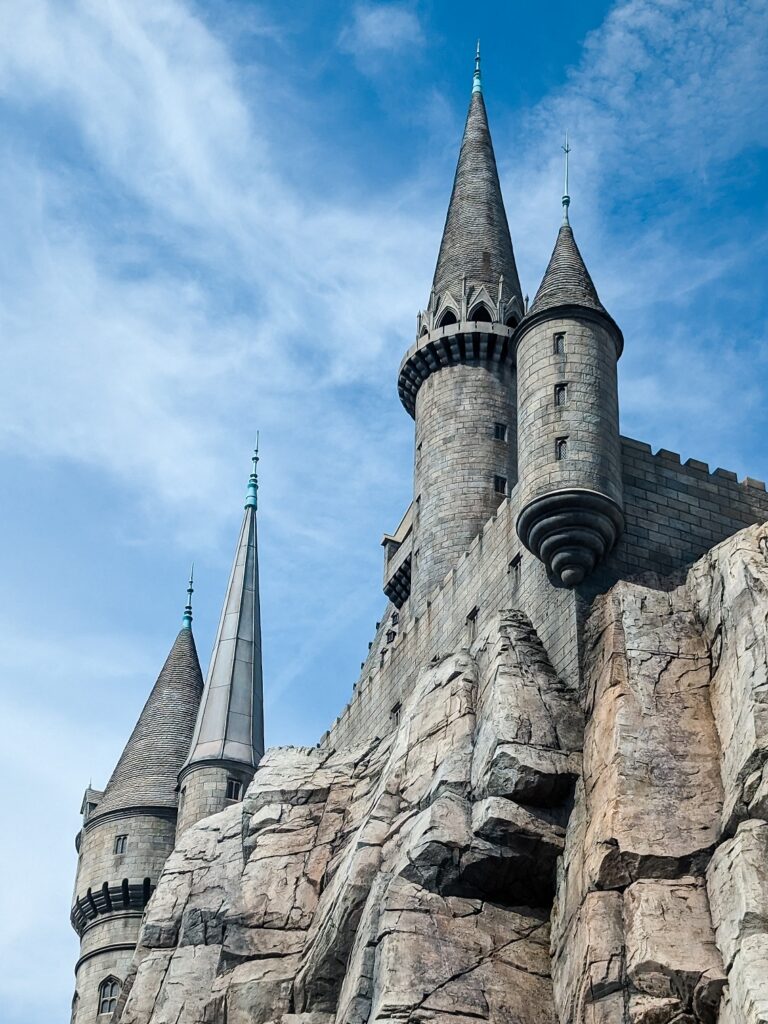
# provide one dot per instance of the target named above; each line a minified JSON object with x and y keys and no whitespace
{"x":476,"y":245}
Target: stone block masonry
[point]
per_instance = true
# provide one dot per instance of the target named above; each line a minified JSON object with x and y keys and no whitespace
{"x":674,"y":513}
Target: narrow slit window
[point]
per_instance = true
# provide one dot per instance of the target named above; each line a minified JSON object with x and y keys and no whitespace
{"x":500,"y":484}
{"x":121,"y":844}
{"x":391,"y":634}
{"x":561,"y":394}
{"x":394,"y":714}
{"x":472,"y":623}
{"x":561,"y":448}
{"x":500,"y":431}
{"x":559,"y":344}
{"x":234,"y":789}
{"x":514,"y":569}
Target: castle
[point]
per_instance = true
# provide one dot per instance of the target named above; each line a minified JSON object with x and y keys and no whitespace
{"x":526,"y":496}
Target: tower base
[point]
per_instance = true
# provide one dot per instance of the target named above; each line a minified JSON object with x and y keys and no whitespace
{"x":570,"y":531}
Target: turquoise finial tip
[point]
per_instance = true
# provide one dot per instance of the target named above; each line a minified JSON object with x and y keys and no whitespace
{"x":251,"y":495}
{"x":477,"y":84}
{"x":186,"y":622}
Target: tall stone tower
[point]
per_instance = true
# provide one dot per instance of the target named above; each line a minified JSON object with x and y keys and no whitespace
{"x":229,"y":734}
{"x":569,"y":463}
{"x":458,"y":379}
{"x":129,"y":830}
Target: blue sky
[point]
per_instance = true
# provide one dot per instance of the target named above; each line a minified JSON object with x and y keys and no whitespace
{"x":224,"y":216}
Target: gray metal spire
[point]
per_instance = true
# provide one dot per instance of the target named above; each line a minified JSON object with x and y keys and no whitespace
{"x":230,"y":725}
{"x":476,"y":246}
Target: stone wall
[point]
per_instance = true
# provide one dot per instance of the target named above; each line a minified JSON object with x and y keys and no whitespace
{"x":108,"y":936}
{"x":456,"y":460}
{"x":203,"y":791}
{"x":674,"y":513}
{"x":588,"y":416}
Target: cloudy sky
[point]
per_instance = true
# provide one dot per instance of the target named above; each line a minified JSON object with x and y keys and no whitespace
{"x":223,"y":216}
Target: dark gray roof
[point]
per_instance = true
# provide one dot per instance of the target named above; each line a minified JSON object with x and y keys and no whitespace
{"x":566,"y":281}
{"x":476,"y":241}
{"x":147,"y":772}
{"x":230,"y":725}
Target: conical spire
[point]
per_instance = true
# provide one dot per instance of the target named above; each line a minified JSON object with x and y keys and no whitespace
{"x":566,"y":281}
{"x":146,"y":774}
{"x":230,"y":725}
{"x":476,"y":246}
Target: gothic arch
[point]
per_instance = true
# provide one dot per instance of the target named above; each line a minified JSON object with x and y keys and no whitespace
{"x":109,"y":992}
{"x":448,"y":317}
{"x":481,"y":314}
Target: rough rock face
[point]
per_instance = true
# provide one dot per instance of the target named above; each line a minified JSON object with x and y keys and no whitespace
{"x":513,"y":851}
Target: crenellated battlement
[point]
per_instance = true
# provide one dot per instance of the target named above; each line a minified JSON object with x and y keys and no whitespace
{"x":675,"y":511}
{"x":112,"y":898}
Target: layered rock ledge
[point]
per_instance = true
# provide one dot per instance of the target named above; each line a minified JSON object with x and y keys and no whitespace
{"x":515,"y":851}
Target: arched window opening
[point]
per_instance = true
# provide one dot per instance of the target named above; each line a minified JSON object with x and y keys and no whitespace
{"x":109,"y":990}
{"x":424,"y":330}
{"x":511,"y":321}
{"x":448,"y":317}
{"x":480,"y":314}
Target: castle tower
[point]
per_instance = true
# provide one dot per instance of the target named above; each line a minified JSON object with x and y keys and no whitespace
{"x":128,"y":831}
{"x":457,"y":380}
{"x":568,"y":418}
{"x":229,"y":734}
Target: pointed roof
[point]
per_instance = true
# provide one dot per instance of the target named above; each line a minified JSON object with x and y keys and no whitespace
{"x":230,"y":724}
{"x":476,"y":243}
{"x":566,"y":281}
{"x":146,"y":774}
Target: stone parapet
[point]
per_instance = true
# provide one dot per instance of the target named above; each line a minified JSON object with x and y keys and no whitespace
{"x":465,"y":342}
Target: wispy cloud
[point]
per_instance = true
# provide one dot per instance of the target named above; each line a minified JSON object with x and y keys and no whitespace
{"x":380,"y":28}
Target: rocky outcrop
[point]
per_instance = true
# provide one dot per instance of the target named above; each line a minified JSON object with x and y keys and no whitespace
{"x":513,"y":851}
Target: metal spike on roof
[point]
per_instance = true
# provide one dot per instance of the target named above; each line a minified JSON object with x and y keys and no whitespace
{"x":477,"y":83}
{"x":230,"y":724}
{"x":476,"y":243}
{"x":566,"y":197}
{"x":186,"y":622}
{"x":147,"y":772}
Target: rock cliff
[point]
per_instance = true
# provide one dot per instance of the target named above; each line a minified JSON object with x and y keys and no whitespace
{"x":514,"y":851}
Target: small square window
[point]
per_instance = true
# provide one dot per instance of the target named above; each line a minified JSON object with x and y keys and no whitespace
{"x":500,"y":431}
{"x":500,"y":484}
{"x":394,"y":714}
{"x":391,"y":634}
{"x":561,"y":448}
{"x":395,"y":618}
{"x":558,"y":344}
{"x":561,"y":394}
{"x":234,"y":789}
{"x":121,"y":844}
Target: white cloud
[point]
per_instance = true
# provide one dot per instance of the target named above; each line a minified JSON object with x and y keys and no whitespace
{"x":378,"y":28}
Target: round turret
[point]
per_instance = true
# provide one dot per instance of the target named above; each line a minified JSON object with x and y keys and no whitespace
{"x":458,"y":380}
{"x":569,"y":461}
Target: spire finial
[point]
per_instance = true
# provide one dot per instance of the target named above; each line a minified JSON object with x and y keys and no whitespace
{"x":253,"y":480}
{"x":186,"y":622}
{"x":477,"y":85}
{"x":566,"y":198}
